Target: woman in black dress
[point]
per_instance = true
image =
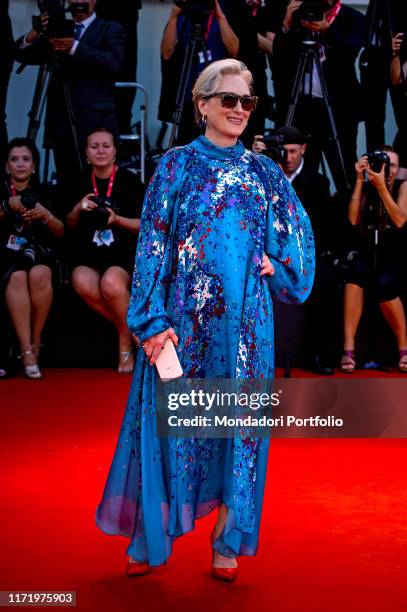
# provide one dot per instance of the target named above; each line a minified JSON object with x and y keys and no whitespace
{"x":103,"y":224}
{"x":28,"y":232}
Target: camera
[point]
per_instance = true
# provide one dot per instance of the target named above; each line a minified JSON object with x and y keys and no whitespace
{"x":100,"y":215}
{"x":202,"y":7}
{"x":58,"y":25}
{"x":376,"y":160}
{"x":311,"y":10}
{"x":28,"y":198}
{"x":275,"y":147}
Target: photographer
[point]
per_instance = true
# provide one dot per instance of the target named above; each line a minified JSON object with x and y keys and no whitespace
{"x":383,"y":18}
{"x":227,"y":30}
{"x":102,"y":243}
{"x":28,"y":230}
{"x":6,"y":54}
{"x":88,"y":61}
{"x":378,"y":213}
{"x":338,"y":38}
{"x":287,"y":147}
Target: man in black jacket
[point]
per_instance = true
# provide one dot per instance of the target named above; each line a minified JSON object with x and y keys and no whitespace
{"x":312,"y":188}
{"x":88,"y":63}
{"x":339,"y":37}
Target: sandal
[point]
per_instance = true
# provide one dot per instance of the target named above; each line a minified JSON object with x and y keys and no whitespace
{"x":348,"y":363}
{"x":30,"y":370}
{"x":126,"y":362}
{"x":403,"y":360}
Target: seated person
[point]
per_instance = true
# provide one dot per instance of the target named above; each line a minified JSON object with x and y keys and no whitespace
{"x":102,"y":227}
{"x":376,"y":206}
{"x":28,"y":232}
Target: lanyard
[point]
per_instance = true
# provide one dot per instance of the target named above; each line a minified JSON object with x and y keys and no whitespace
{"x":209,"y":25}
{"x":110,"y":186}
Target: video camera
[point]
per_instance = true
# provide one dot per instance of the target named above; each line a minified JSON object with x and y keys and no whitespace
{"x":58,"y":25}
{"x":196,"y":8}
{"x":275,"y":147}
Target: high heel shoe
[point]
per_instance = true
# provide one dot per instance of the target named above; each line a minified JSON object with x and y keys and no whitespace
{"x":31,"y":371}
{"x":227,"y":574}
{"x":135,"y":568}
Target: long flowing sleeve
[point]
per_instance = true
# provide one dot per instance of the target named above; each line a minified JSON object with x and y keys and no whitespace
{"x":289,"y":240}
{"x":147,"y":315}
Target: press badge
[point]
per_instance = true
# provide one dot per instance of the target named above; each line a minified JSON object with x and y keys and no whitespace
{"x":15,"y":243}
{"x":103,"y":237}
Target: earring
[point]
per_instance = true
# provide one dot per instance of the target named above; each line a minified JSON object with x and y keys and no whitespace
{"x":114,"y":158}
{"x":88,"y":161}
{"x":204,"y":121}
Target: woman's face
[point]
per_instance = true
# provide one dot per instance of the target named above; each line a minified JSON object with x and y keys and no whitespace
{"x":20,"y":164}
{"x":225,"y":125}
{"x":100,"y":149}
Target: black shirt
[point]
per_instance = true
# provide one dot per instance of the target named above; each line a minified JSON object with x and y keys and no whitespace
{"x":118,"y":246}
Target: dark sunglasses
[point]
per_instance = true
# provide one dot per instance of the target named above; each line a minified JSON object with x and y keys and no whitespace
{"x":230,"y":100}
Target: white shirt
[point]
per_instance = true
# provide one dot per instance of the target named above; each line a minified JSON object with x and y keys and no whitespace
{"x":296,"y":173}
{"x":85,"y":23}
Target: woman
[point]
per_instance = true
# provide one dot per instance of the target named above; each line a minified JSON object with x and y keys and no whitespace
{"x":28,"y":230}
{"x":103,"y":224}
{"x":212,"y":210}
{"x":377,"y":268}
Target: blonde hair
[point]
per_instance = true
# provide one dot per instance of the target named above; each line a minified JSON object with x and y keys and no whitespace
{"x":208,"y":81}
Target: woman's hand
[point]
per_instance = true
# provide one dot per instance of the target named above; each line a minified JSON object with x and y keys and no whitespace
{"x":377,"y":179}
{"x":258,"y":144}
{"x":14,"y":204}
{"x":113,"y":218}
{"x":86,"y":204}
{"x":291,"y":8}
{"x":154,"y":345}
{"x":361,"y":167}
{"x":38,"y":213}
{"x":266,"y":266}
{"x":396,"y":43}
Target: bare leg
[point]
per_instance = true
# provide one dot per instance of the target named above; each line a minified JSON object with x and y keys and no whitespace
{"x":114,"y":286}
{"x":218,"y":559}
{"x":352,"y":312}
{"x":39,"y":280}
{"x":393,"y":312}
{"x":19,"y":306}
{"x":86,"y":282}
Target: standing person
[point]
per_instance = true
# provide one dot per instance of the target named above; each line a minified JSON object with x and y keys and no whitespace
{"x":338,"y":38}
{"x":88,"y":63}
{"x":28,"y":229}
{"x":126,"y":13}
{"x":217,"y":219}
{"x":227,"y":31}
{"x":102,"y":226}
{"x":376,"y":266}
{"x":6,"y":54}
{"x":384,"y":18}
{"x":398,"y":75}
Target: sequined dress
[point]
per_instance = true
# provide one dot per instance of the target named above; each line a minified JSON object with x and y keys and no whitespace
{"x":209,"y":215}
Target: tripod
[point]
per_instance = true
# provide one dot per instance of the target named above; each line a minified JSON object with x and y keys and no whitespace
{"x":308,"y":59}
{"x":36,"y":112}
{"x":196,"y":46}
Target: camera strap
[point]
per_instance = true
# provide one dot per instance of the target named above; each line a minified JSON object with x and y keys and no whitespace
{"x":110,"y":185}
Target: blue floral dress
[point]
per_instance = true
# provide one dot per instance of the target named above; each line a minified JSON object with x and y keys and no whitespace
{"x":209,"y":215}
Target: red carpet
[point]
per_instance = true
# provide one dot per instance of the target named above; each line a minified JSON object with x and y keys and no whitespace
{"x":334,"y":531}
